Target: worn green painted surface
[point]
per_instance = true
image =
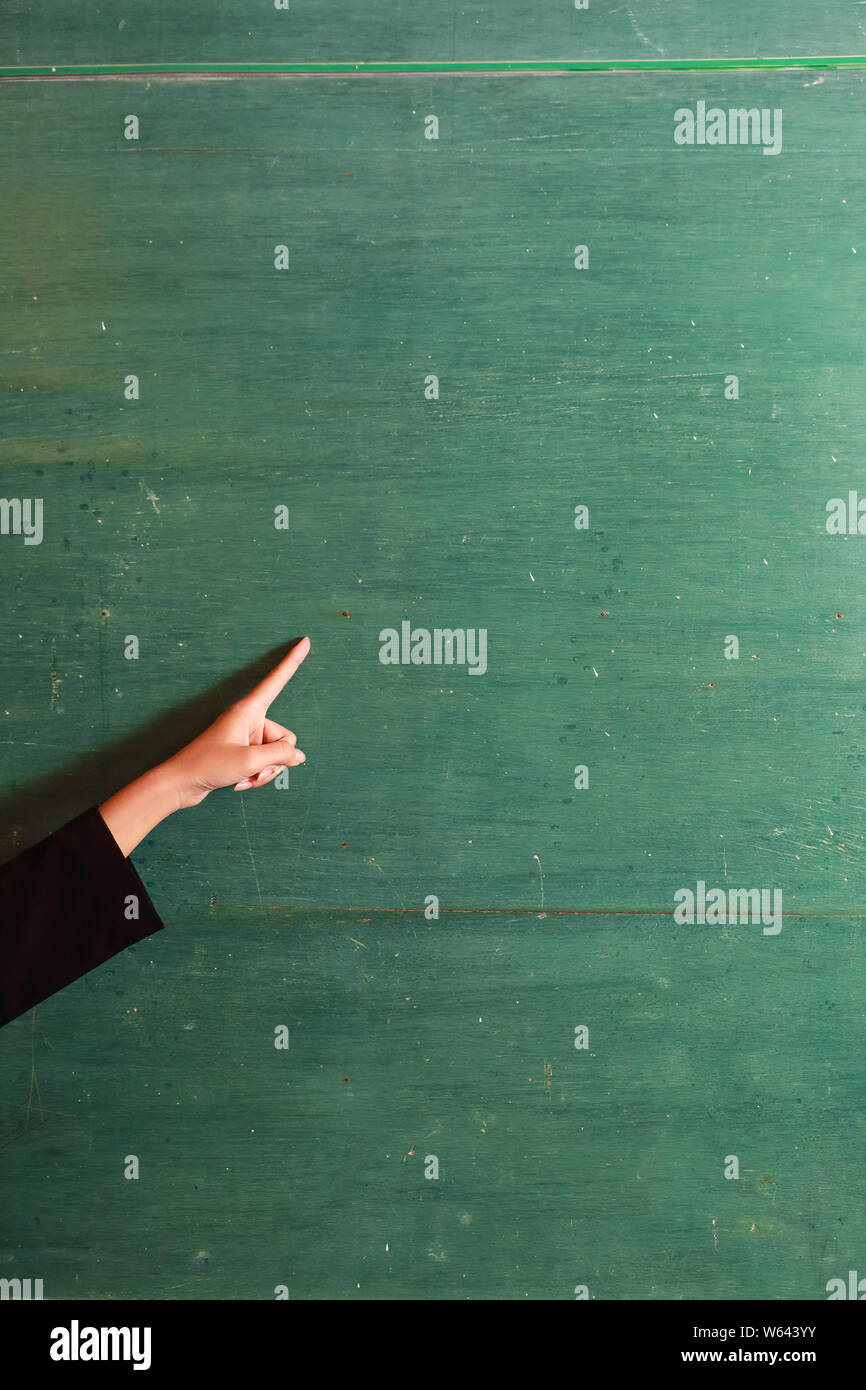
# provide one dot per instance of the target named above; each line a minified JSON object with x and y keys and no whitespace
{"x":303,"y":907}
{"x":408,"y":1038}
{"x":128,"y":31}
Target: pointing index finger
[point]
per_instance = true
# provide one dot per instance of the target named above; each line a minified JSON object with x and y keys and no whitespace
{"x":269,"y":688}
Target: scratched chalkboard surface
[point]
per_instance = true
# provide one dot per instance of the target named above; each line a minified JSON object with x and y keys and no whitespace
{"x":536,"y":402}
{"x":209,"y":31}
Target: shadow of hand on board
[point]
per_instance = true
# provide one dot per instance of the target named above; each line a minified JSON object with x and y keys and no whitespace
{"x":30,"y":811}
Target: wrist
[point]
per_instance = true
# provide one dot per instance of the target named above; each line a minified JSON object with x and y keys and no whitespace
{"x":180,"y":784}
{"x":169,"y":786}
{"x":137,"y":808}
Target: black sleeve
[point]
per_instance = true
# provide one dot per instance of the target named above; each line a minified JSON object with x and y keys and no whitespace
{"x":66,"y":905}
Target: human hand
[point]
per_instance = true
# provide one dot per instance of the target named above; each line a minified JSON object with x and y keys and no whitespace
{"x":243,"y":747}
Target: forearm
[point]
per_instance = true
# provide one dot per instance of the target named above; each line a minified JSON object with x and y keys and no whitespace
{"x":132,"y":813}
{"x":67,"y":905}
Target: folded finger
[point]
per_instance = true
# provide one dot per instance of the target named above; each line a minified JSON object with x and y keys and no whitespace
{"x":274,"y":730}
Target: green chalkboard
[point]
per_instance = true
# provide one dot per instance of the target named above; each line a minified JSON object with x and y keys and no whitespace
{"x":297,"y":31}
{"x":525,"y":366}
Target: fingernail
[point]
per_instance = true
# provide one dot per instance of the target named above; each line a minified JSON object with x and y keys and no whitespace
{"x":242,"y":786}
{"x":299,"y":756}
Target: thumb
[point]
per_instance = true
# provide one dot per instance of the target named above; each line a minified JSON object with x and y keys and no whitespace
{"x":280,"y":752}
